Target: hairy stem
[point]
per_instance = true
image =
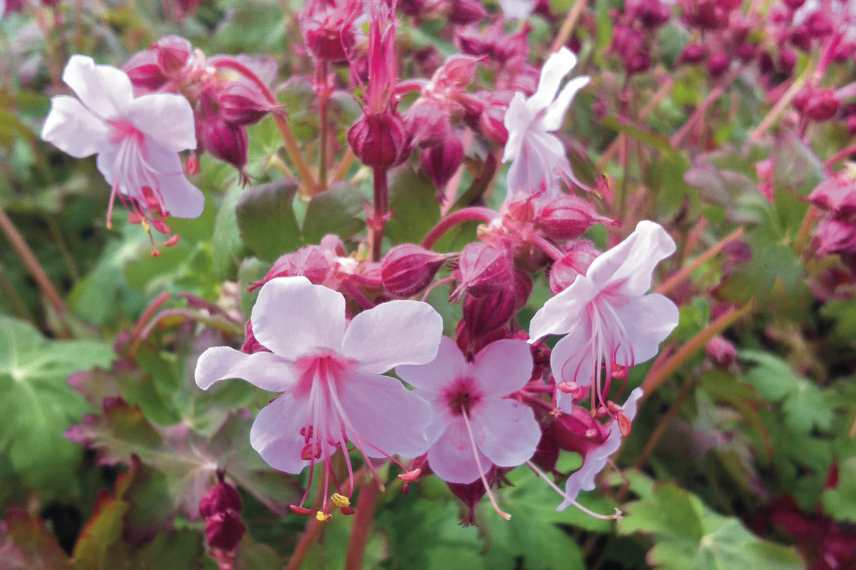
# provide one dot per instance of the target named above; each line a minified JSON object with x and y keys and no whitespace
{"x":323,"y":92}
{"x":472,"y":214}
{"x":361,"y":529}
{"x":377,"y":223}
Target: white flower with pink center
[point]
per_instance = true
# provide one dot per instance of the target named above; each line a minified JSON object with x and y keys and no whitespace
{"x":538,"y":161}
{"x":609,"y":319}
{"x":476,"y":423}
{"x":329,"y":373}
{"x":137,"y":139}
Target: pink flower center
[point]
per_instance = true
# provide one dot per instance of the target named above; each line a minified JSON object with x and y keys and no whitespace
{"x":462,"y":396}
{"x":123,"y":129}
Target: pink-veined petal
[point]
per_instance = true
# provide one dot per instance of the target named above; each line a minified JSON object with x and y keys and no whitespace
{"x":292,"y":317}
{"x":505,"y":431}
{"x":502,"y":367}
{"x":628,"y":268}
{"x":572,"y":359}
{"x":383,"y":417}
{"x":104,"y":90}
{"x":180,"y":198}
{"x":73,"y":129}
{"x":555,"y":115}
{"x":393,"y":334}
{"x":648,"y":321}
{"x":165,"y":117}
{"x":451,"y":457}
{"x":432,"y":377}
{"x":557,"y":66}
{"x":262,"y":369}
{"x":517,"y":120}
{"x":275,"y":434}
{"x":563,"y":311}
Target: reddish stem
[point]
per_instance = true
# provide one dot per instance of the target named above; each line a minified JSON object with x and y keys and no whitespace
{"x":377,"y":223}
{"x":361,"y":529}
{"x":471,"y":214}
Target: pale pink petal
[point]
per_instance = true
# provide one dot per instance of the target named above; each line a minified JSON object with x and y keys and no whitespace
{"x":572,"y":359}
{"x":392,"y":334}
{"x":104,"y":90}
{"x":382,"y":417}
{"x":517,"y":9}
{"x":557,"y":66}
{"x":275,"y":433}
{"x":502,"y":367}
{"x":292,"y":317}
{"x":647,"y":322}
{"x":584,"y":478}
{"x":262,"y":369}
{"x":505,"y":431}
{"x":563,"y":311}
{"x":628,"y":268}
{"x":166,"y":118}
{"x":73,"y":129}
{"x":555,"y":115}
{"x":181,"y":198}
{"x":432,"y":377}
{"x":451,"y":458}
{"x":517,"y":121}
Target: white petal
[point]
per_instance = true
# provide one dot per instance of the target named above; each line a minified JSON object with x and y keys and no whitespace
{"x":505,"y":431}
{"x":451,"y":458}
{"x":555,"y":115}
{"x":503,"y":367}
{"x":432,"y":377}
{"x":166,"y":118}
{"x":292,"y":317}
{"x":557,"y":66}
{"x":561,"y":312}
{"x":105,"y":90}
{"x":262,"y":369}
{"x":648,"y":321}
{"x":181,"y":198}
{"x":572,"y":359}
{"x":517,"y":9}
{"x":275,"y":434}
{"x":628,"y":268}
{"x":393,"y":334}
{"x":383,"y":417}
{"x":73,"y":129}
{"x":517,"y":120}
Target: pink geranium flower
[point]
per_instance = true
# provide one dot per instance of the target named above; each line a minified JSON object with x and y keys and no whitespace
{"x":329,"y":373}
{"x":538,"y":160}
{"x":608,"y":319}
{"x":476,"y":424}
{"x":137,"y":139}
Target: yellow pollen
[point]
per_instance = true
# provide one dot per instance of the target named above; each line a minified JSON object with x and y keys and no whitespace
{"x":340,"y":501}
{"x":321,"y":516}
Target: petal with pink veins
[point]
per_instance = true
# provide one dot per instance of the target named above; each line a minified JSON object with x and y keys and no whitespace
{"x":563,"y":311}
{"x":392,"y":334}
{"x":452,"y":459}
{"x":292,"y":317}
{"x":502,"y":367}
{"x":517,"y":121}
{"x":166,"y":118}
{"x":505,"y":431}
{"x":275,"y":434}
{"x":382,"y":417}
{"x":432,"y":377}
{"x":73,"y":128}
{"x":648,"y":321}
{"x":180,"y":198}
{"x":572,"y":358}
{"x":104,"y":90}
{"x":262,"y":369}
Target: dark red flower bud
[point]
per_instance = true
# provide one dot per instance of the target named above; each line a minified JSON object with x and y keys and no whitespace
{"x":483,"y":268}
{"x":145,"y":72}
{"x":747,"y":51}
{"x":173,"y":53}
{"x":718,"y":63}
{"x":241,"y":103}
{"x":567,"y":217}
{"x":484,"y":315}
{"x":456,"y":72}
{"x":819,"y":24}
{"x":441,"y":161}
{"x":575,"y":262}
{"x":787,"y":61}
{"x":224,"y":531}
{"x":329,"y":34}
{"x":427,"y":123}
{"x":471,"y":493}
{"x":693,"y":53}
{"x":227,"y":142}
{"x":379,"y":141}
{"x":721,"y":351}
{"x":794,"y":4}
{"x":547,"y":453}
{"x":822,"y":105}
{"x":465,"y":12}
{"x":221,"y":498}
{"x":251,"y":344}
{"x":578,"y":431}
{"x":652,"y":13}
{"x":471,"y":41}
{"x":408,"y":269}
{"x":851,"y":125}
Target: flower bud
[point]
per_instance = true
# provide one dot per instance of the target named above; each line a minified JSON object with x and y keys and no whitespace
{"x":464,"y":12}
{"x":408,"y":269}
{"x":484,"y":315}
{"x":718,"y":63}
{"x":822,"y":105}
{"x":314,"y":262}
{"x":427,"y":123}
{"x":794,"y":4}
{"x":470,"y":494}
{"x":173,"y":53}
{"x":567,"y":217}
{"x":721,"y":351}
{"x":483,"y":268}
{"x":836,"y":194}
{"x":575,"y":262}
{"x":224,"y":531}
{"x":693,"y":53}
{"x":652,"y":13}
{"x":144,"y":71}
{"x":241,"y":103}
{"x":221,"y":498}
{"x":547,"y":453}
{"x":441,"y":161}
{"x":456,"y":72}
{"x":227,"y":142}
{"x":328,"y":34}
{"x":379,"y":140}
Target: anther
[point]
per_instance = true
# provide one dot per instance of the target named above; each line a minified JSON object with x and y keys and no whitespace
{"x":340,"y":501}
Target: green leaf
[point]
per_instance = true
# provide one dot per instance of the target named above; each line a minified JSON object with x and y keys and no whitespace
{"x":26,"y":544}
{"x":227,"y":244}
{"x":335,"y":211}
{"x":687,"y":534}
{"x":266,"y":219}
{"x":38,"y":403}
{"x":840,"y":501}
{"x":414,"y":206}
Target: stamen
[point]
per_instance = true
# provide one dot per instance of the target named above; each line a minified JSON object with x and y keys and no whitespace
{"x":618,"y":515}
{"x":340,"y":501}
{"x":487,"y":490}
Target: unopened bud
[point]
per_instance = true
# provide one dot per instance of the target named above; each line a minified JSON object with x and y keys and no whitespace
{"x":464,"y":12}
{"x":224,"y":531}
{"x":483,"y":267}
{"x":441,"y":161}
{"x":408,"y":269}
{"x":241,"y":103}
{"x":144,"y":72}
{"x":221,"y":498}
{"x":693,"y":53}
{"x":574,"y":263}
{"x":721,"y":351}
{"x":718,"y":63}
{"x":227,"y":142}
{"x":568,"y":217}
{"x":822,"y":105}
{"x":379,"y":140}
{"x":173,"y":53}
